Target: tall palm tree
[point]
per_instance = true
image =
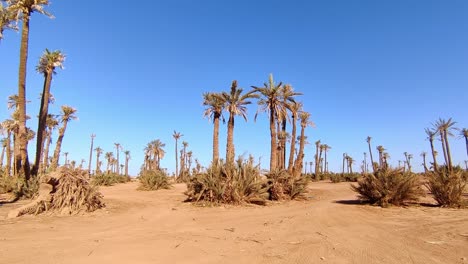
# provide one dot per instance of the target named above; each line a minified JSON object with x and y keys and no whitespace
{"x":117,"y":147}
{"x":344,"y":159}
{"x":68,"y":113}
{"x":423,"y":155}
{"x":51,"y":124}
{"x":326,"y":148}
{"x":444,"y":128}
{"x":176,"y":136}
{"x":236,"y":104}
{"x":91,"y":153}
{"x":270,"y":101}
{"x":287,"y":95}
{"x":183,"y":156}
{"x":47,"y":64}
{"x":317,"y":158}
{"x":109,"y":157}
{"x":295,"y":109}
{"x":127,"y":158}
{"x":464,"y":134}
{"x":214,"y":104}
{"x":8,"y":126}
{"x":66,"y":157}
{"x":3,"y":143}
{"x":23,"y":10}
{"x":305,"y":122}
{"x":381,"y":150}
{"x":98,"y":163}
{"x":368,"y":140}
{"x":365,"y":162}
{"x":430,"y":136}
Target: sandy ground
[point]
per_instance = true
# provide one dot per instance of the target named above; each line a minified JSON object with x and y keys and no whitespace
{"x":157,"y":227}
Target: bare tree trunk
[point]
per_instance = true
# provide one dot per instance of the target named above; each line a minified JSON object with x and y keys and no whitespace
{"x":230,"y":151}
{"x":273,"y":154}
{"x":293,"y":146}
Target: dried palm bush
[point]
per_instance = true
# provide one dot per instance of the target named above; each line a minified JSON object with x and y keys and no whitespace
{"x":347,"y":177}
{"x":447,"y":186}
{"x":153,"y":180}
{"x":66,"y":191}
{"x":19,"y":187}
{"x":389,"y":187}
{"x":221,"y":183}
{"x":283,"y":186}
{"x":109,"y":179}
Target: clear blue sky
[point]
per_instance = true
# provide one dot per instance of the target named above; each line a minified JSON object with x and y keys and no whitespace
{"x":136,"y":71}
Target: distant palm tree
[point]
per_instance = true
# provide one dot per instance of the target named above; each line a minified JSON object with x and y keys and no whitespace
{"x":47,"y":64}
{"x":464,"y":133}
{"x":271,"y":102}
{"x":214,"y":104}
{"x":183,"y":157}
{"x":98,"y":163}
{"x":368,"y":140}
{"x":66,"y":157}
{"x":109,"y":157}
{"x":317,"y":158}
{"x":326,"y":148}
{"x":423,"y":155}
{"x":117,"y":147}
{"x":23,"y":9}
{"x":127,"y":158}
{"x":430,"y":136}
{"x":444,"y":128}
{"x":51,"y":124}
{"x":3,"y":142}
{"x":177,"y":136}
{"x":91,"y":153}
{"x":68,"y":113}
{"x":295,"y":108}
{"x":344,"y":159}
{"x":305,"y":122}
{"x":381,"y":150}
{"x":8,"y":126}
{"x":236,"y":104}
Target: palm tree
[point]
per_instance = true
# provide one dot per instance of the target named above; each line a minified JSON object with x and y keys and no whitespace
{"x":287,"y":95}
{"x":464,"y":133}
{"x":8,"y":126}
{"x":381,"y":150}
{"x":47,"y":64}
{"x":236,"y":104}
{"x":423,"y":155}
{"x":66,"y":158}
{"x":127,"y":158}
{"x":51,"y":124}
{"x":368,"y":140}
{"x":183,"y":157}
{"x":117,"y":147}
{"x":317,"y":158}
{"x":305,"y":121}
{"x":444,"y":128}
{"x":365,"y":162}
{"x":91,"y":153}
{"x":344,"y":159}
{"x":23,"y":9}
{"x":214,"y":104}
{"x":430,"y":136}
{"x":177,"y":136}
{"x":109,"y":157}
{"x":68,"y":113}
{"x":98,"y":164}
{"x":271,"y":102}
{"x":326,"y":148}
{"x":295,"y":109}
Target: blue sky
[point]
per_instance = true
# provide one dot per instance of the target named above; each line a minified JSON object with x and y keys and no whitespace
{"x":136,"y":72}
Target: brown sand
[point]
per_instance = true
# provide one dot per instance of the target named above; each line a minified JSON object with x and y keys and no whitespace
{"x":157,"y":227}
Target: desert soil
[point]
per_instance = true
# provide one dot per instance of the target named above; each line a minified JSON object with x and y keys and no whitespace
{"x":158,"y":227}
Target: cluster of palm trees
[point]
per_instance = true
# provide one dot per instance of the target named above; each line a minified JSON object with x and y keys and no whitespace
{"x":279,"y":101}
{"x":12,"y":14}
{"x":113,"y":164}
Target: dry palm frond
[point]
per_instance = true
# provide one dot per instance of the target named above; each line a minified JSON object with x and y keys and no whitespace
{"x":447,"y":187}
{"x":153,"y":180}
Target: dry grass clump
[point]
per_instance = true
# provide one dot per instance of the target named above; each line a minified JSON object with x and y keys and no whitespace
{"x":231,"y":185}
{"x":18,"y":187}
{"x":109,"y":179}
{"x":153,"y":180}
{"x":347,"y":177}
{"x":66,"y":191}
{"x":285,"y":187}
{"x":389,"y":187}
{"x":447,"y":187}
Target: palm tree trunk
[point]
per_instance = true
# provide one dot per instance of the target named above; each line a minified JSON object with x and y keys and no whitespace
{"x":283,"y":144}
{"x":466,"y":143}
{"x":126,"y":166}
{"x":176,"y":159}
{"x":8,"y":154}
{"x":21,"y":156}
{"x":58,"y":145}
{"x":344,"y":157}
{"x":424,"y":163}
{"x":41,"y":127}
{"x":44,"y":163}
{"x":300,"y":154}
{"x":325,"y":161}
{"x":447,"y":147}
{"x":273,"y":146}
{"x":2,"y":156}
{"x":230,"y":151}
{"x":442,"y":140}
{"x":371,"y":157}
{"x":431,"y":141}
{"x":293,"y":145}
{"x":98,"y":169}
{"x":90,"y":154}
{"x":216,"y":138}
